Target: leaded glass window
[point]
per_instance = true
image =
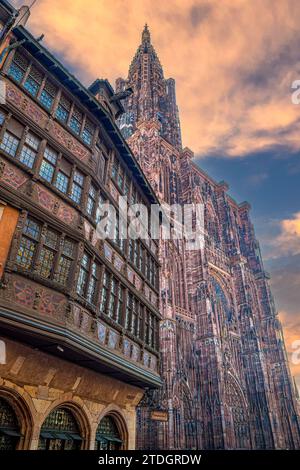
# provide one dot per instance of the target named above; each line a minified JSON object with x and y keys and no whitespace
{"x":56,"y":254}
{"x":9,"y":426}
{"x":76,"y":121}
{"x":107,"y":435}
{"x":29,"y":150}
{"x":129,"y":309}
{"x":87,"y":279}
{"x":91,"y":291}
{"x":18,"y":67}
{"x":104,"y":292}
{"x":33,"y":81}
{"x":91,"y":201}
{"x":47,"y":95}
{"x":88,"y":132}
{"x":28,"y":245}
{"x":83,"y":275}
{"x":77,"y":187}
{"x":112,"y":298}
{"x":65,"y":262}
{"x":120,"y":305}
{"x":48,"y":164}
{"x":63,"y":109}
{"x":62,"y":182}
{"x":60,"y":431}
{"x":46,"y":260}
{"x":10,"y":143}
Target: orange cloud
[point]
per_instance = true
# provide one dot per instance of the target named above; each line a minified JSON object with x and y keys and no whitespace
{"x":233,"y":62}
{"x":291,"y":332}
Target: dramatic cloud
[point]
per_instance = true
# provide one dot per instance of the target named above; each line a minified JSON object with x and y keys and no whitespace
{"x":233,"y":61}
{"x":288,"y":241}
{"x":292,"y":336}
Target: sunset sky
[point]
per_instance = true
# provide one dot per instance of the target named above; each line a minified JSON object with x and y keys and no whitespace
{"x":234,"y":62}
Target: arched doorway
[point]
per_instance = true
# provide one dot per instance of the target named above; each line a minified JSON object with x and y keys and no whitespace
{"x":239,"y":417}
{"x":108,"y":436}
{"x":60,"y":431}
{"x":9,"y":427}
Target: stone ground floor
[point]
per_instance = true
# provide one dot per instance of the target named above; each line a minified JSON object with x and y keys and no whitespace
{"x":49,"y":403}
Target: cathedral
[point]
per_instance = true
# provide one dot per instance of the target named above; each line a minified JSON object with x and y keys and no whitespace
{"x":226,"y":378}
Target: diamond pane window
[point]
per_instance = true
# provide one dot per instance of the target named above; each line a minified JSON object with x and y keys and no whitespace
{"x":87,"y":136}
{"x":48,"y":93}
{"x":61,"y":113}
{"x":18,"y":67}
{"x":63,"y":109}
{"x":16,"y":72}
{"x":46,"y":99}
{"x":75,"y":125}
{"x":31,"y":86}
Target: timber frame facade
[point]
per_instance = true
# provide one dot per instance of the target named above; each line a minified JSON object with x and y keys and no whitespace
{"x":85,"y":304}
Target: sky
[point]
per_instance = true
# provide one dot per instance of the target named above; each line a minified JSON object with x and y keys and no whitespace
{"x":234,"y":62}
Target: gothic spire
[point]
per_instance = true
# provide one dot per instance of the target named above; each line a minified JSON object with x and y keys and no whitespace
{"x":146,"y":39}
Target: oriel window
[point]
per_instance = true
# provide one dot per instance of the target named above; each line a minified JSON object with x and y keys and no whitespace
{"x":45,"y":252}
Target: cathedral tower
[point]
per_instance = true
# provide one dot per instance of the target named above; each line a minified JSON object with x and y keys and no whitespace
{"x":227,"y":382}
{"x":154,"y":96}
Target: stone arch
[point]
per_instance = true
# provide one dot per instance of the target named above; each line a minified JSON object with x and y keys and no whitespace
{"x":23,"y":415}
{"x":120,"y":421}
{"x":184,"y":417}
{"x":220,"y":290}
{"x":236,"y":411}
{"x":80,"y":415}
